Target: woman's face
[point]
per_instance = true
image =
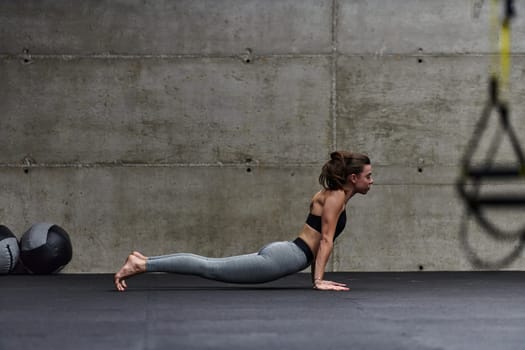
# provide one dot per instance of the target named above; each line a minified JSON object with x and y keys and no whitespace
{"x":363,"y":181}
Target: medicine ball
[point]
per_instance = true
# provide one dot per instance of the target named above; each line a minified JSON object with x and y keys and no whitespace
{"x":9,"y":251}
{"x":45,"y":248}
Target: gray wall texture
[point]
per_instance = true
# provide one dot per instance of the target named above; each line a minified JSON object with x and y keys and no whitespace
{"x":201,"y":125}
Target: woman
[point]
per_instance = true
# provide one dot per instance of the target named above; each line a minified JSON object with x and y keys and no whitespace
{"x":344,"y":175}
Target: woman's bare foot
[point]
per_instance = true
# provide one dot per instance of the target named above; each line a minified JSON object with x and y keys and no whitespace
{"x":138,"y":255}
{"x":133,"y":266}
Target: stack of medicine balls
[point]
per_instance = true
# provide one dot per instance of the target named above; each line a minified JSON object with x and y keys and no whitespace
{"x":43,"y":249}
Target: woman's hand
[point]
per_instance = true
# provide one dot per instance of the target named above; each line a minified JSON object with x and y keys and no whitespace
{"x":330,"y":285}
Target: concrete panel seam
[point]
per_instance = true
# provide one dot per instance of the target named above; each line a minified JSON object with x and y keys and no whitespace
{"x":159,"y":165}
{"x":256,"y":56}
{"x":415,"y":54}
{"x":240,"y":56}
{"x":333,"y":92}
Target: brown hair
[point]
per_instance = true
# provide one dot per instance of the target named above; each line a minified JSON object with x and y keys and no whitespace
{"x":339,"y":167}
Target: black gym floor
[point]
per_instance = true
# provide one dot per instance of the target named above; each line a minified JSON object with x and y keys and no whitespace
{"x":425,"y":310}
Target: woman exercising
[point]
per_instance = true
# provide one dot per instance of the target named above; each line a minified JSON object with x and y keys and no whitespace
{"x":344,"y":175}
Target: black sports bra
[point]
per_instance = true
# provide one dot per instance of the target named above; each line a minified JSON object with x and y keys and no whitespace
{"x":314,"y":221}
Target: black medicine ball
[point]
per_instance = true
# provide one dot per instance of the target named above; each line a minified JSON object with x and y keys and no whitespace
{"x":45,"y":248}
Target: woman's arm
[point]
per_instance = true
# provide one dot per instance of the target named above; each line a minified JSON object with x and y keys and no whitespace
{"x":312,"y":266}
{"x":331,"y":211}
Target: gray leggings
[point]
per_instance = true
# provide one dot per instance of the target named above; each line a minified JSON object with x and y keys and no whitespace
{"x":273,"y":261}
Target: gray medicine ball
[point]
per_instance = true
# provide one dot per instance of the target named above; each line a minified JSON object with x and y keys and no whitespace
{"x":9,"y":251}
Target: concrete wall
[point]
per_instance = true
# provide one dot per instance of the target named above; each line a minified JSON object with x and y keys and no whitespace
{"x":201,"y":125}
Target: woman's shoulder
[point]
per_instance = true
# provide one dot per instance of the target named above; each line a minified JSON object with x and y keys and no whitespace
{"x":334,"y":201}
{"x":335,"y":195}
{"x":332,"y":197}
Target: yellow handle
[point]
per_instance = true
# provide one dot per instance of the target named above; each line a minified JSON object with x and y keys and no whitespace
{"x":505,"y":53}
{"x":500,"y":47}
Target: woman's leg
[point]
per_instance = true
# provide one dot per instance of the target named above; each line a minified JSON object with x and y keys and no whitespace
{"x":274,"y":261}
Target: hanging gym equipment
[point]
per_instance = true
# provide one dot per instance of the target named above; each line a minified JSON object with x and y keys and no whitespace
{"x":472,"y":175}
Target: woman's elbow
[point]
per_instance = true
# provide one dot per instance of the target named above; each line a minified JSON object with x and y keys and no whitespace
{"x":327,"y":243}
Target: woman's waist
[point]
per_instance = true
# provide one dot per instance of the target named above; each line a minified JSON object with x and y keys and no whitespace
{"x":311,"y":239}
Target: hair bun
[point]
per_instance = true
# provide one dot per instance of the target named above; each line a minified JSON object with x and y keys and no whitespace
{"x":336,"y":156}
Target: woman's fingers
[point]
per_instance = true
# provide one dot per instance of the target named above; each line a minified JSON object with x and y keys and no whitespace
{"x":330,"y":285}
